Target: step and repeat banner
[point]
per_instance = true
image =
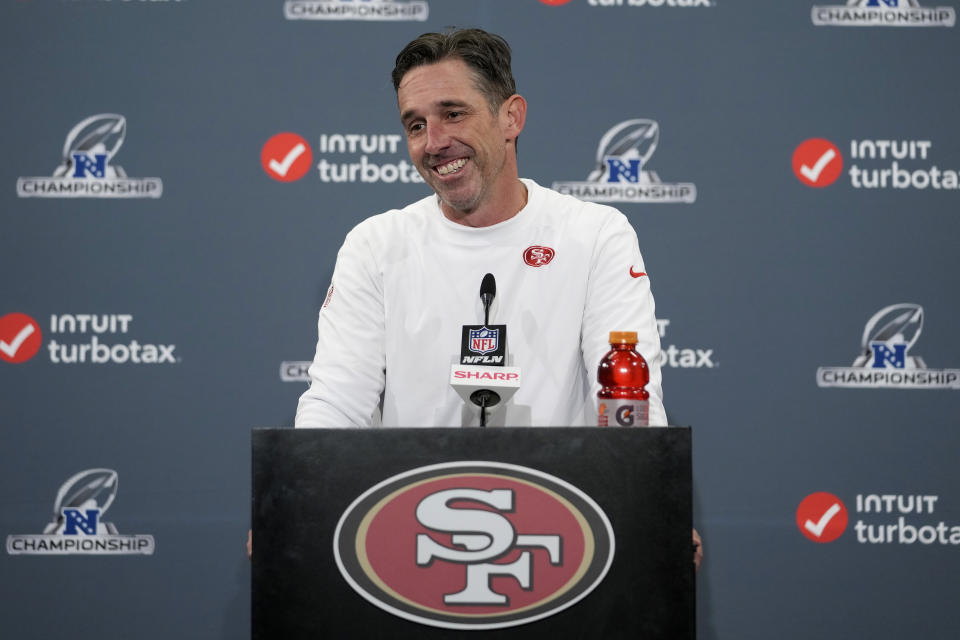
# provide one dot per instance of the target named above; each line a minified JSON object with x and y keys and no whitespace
{"x":180,"y":175}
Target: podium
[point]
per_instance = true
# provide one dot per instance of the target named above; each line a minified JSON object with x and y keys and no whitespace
{"x":451,"y":533}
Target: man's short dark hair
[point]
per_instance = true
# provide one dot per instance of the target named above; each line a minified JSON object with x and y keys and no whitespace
{"x":486,"y":53}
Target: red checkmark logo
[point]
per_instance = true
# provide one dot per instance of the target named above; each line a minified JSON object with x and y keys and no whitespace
{"x":286,"y":157}
{"x":822,"y":517}
{"x":636,"y":274}
{"x":817,"y":162}
{"x":20,"y":337}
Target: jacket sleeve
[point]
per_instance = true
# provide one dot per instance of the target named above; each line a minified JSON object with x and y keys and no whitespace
{"x":347,"y":374}
{"x":619,"y":299}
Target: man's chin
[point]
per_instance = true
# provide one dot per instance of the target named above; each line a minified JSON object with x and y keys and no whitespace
{"x":461,"y":205}
{"x":457,"y":200}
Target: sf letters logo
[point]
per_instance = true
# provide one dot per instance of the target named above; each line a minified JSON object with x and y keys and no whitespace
{"x":473,"y":544}
{"x":479,"y":537}
{"x":538,"y":256}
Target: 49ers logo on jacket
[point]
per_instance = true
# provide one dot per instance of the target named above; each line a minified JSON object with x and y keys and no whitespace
{"x":537,"y":256}
{"x":473,"y":545}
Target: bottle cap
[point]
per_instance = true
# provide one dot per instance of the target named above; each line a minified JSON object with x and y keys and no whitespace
{"x":623,"y":337}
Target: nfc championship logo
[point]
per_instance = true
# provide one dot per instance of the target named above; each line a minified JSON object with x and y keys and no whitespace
{"x":295,"y":370}
{"x":374,"y":10}
{"x":86,"y":169}
{"x":622,"y":172}
{"x":473,"y":545}
{"x":78,"y":527}
{"x":882,"y":13}
{"x":885,"y":360}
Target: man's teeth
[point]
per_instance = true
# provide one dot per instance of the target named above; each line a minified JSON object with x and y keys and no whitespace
{"x":451,"y":167}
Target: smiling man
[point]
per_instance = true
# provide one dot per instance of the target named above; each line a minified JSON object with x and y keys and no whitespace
{"x":405,"y":282}
{"x":567,"y":272}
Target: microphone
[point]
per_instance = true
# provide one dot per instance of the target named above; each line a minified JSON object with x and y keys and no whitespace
{"x":482,"y":348}
{"x":488,"y":290}
{"x":485,"y":344}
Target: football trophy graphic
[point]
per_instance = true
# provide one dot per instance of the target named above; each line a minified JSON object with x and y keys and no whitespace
{"x":98,"y":137}
{"x":898,"y":324}
{"x":630,"y":140}
{"x":90,"y":489}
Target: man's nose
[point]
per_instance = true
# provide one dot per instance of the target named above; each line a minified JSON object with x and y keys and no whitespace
{"x":437,"y":138}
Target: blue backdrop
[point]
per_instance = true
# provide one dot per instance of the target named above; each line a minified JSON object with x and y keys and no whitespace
{"x":165,"y":252}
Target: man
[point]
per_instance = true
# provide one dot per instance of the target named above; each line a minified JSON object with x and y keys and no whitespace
{"x":567,"y":272}
{"x":405,"y":281}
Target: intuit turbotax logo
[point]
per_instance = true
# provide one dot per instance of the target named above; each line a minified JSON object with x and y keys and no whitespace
{"x":650,"y":3}
{"x":874,"y":164}
{"x":78,"y":527}
{"x":885,"y":360}
{"x":882,"y":13}
{"x":86,"y":169}
{"x":81,"y":338}
{"x":375,"y":10}
{"x":683,"y":357}
{"x":342,"y":158}
{"x":364,"y":157}
{"x":887,"y":518}
{"x":622,"y":172}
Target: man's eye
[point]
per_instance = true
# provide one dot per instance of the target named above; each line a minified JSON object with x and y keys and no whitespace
{"x":454,"y":114}
{"x":415,"y":127}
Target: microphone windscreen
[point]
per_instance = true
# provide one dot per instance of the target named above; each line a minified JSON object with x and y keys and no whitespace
{"x":488,"y":286}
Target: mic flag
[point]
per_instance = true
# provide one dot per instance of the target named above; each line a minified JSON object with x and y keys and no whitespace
{"x":498,"y":384}
{"x":483,"y":344}
{"x":482,"y":377}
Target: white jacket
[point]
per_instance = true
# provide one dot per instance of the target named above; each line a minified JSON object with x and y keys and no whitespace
{"x":407,"y":280}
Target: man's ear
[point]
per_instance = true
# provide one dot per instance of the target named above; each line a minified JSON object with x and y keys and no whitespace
{"x":513,"y":115}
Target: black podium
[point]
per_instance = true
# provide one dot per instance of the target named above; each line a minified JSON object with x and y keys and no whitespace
{"x":452,"y":533}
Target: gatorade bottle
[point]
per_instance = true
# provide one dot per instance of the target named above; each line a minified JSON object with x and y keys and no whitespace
{"x":623,"y":374}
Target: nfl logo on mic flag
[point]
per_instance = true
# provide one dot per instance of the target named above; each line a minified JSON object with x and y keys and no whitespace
{"x":483,"y":344}
{"x":484,"y":340}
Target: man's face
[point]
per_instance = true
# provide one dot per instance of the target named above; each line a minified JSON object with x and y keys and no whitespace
{"x":456,"y":143}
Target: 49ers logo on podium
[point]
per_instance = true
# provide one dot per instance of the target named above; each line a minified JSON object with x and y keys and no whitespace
{"x":473,"y":545}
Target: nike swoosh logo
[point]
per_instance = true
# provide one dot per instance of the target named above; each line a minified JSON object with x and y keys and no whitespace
{"x":636,"y":274}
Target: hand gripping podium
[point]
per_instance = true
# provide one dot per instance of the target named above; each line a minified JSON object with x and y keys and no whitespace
{"x":452,"y":533}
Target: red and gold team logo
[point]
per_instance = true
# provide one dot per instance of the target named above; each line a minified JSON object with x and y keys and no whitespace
{"x":537,"y":256}
{"x":474,"y":545}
